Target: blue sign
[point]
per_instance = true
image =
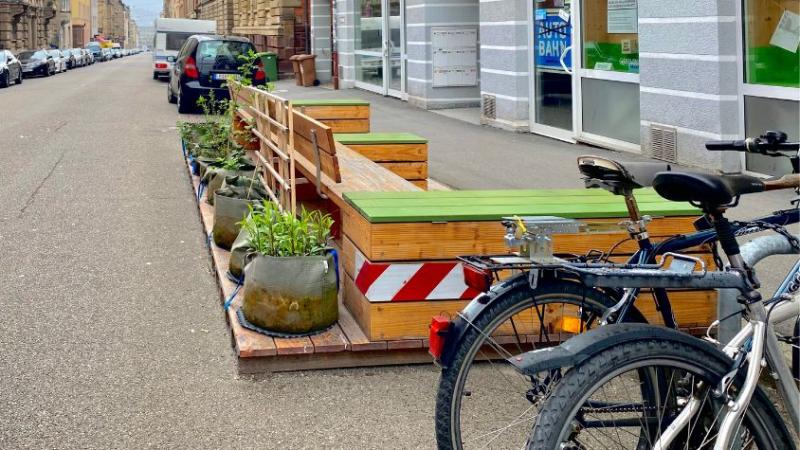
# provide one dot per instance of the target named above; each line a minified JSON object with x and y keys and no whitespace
{"x":552,"y":35}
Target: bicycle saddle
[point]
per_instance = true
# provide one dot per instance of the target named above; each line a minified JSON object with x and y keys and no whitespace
{"x":614,"y":174}
{"x":705,"y":189}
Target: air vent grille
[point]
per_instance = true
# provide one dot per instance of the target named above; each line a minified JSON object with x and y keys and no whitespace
{"x":489,"y":106}
{"x":664,"y":143}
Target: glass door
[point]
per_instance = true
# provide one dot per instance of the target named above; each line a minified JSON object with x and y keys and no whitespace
{"x":395,"y":65}
{"x":380,"y":46}
{"x":552,"y":81}
{"x":607,"y":72}
{"x":369,"y":45}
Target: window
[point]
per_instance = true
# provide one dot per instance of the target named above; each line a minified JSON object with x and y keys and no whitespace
{"x":175,"y":40}
{"x":771,"y":36}
{"x":610,"y":35}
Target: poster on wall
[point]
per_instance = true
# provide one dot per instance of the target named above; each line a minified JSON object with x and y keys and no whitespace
{"x":455,"y":56}
{"x":623,"y":17}
{"x":552,"y":36}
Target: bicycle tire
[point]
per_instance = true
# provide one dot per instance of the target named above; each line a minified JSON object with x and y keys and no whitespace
{"x":574,"y":390}
{"x":452,"y":378}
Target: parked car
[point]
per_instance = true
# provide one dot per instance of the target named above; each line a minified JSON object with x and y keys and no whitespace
{"x":10,"y":69}
{"x":80,"y":57}
{"x":88,"y":55}
{"x":203,"y":65}
{"x":72,"y":60}
{"x":37,"y":62}
{"x":96,"y":51}
{"x":59,"y":60}
{"x":116,"y":53}
{"x":106,"y":54}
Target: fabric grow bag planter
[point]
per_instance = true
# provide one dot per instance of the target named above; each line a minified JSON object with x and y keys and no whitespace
{"x":231,"y":205}
{"x":291,"y":295}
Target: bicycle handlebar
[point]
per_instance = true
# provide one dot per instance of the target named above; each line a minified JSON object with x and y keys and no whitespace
{"x":771,"y":143}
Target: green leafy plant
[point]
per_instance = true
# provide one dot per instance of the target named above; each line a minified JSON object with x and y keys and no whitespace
{"x":276,"y":233}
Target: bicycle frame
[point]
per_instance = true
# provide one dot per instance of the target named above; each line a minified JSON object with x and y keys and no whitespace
{"x":758,"y":335}
{"x":648,"y":252}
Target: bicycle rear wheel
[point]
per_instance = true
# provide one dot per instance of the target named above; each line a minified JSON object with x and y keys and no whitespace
{"x":626,"y":396}
{"x":483,"y":401}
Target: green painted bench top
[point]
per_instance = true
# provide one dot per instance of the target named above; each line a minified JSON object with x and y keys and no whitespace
{"x":491,"y":205}
{"x":330,"y":102}
{"x":379,"y":138}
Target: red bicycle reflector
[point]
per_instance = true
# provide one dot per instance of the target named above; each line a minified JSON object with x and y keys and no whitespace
{"x":440,"y":325}
{"x":477,"y":279}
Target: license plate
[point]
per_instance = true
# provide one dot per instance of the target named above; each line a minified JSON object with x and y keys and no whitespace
{"x":224,"y":76}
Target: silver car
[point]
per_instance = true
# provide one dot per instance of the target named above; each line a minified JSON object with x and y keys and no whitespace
{"x":58,"y":59}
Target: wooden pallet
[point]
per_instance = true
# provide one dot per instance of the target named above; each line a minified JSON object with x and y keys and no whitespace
{"x":344,"y":345}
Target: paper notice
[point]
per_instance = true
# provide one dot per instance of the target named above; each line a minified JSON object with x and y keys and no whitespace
{"x":787,"y":33}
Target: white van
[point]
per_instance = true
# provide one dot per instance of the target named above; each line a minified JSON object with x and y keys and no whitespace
{"x":170,"y":34}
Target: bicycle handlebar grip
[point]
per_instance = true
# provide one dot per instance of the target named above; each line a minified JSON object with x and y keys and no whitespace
{"x":738,"y":146}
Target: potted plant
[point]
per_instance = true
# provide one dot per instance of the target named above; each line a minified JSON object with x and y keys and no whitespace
{"x":291,"y":282}
{"x":231,"y":205}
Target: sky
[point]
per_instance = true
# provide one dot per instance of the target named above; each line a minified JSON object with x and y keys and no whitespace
{"x":145,"y":12}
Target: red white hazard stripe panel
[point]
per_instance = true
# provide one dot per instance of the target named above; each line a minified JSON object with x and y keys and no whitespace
{"x":399,"y":282}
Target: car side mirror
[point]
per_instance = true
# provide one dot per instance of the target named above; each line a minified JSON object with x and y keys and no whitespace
{"x":171,"y":59}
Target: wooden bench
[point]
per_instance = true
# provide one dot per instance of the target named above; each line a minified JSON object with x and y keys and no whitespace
{"x":404,"y":154}
{"x":414,"y":238}
{"x":342,"y":115}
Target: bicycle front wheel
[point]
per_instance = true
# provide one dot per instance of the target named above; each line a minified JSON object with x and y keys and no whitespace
{"x":626,"y":396}
{"x":483,"y":401}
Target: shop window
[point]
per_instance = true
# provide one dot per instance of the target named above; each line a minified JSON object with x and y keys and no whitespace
{"x":611,"y":35}
{"x":771,"y":37}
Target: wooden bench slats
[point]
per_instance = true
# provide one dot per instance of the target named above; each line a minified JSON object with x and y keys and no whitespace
{"x":391,"y":153}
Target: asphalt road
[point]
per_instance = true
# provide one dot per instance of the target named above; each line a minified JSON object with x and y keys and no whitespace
{"x":111,"y":331}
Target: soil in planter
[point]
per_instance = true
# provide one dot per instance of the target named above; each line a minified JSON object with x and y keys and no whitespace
{"x":292,"y":295}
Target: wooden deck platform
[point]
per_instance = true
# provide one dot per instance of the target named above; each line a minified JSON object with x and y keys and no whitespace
{"x":344,"y":345}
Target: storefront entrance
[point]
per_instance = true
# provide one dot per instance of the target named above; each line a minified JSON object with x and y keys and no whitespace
{"x":380,"y":46}
{"x":585,"y":78}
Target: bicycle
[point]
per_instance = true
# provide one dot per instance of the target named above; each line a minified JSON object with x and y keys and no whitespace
{"x":636,"y":386}
{"x":544,"y":303}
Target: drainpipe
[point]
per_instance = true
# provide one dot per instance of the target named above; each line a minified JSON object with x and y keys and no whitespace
{"x":334,"y":53}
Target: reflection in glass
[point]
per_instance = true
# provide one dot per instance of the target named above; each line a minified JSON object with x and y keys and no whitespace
{"x":762,"y":114}
{"x":771,"y":44}
{"x":395,"y":45}
{"x":610,"y":36}
{"x":552,"y":65}
{"x":368,"y":31}
{"x":369,"y":69}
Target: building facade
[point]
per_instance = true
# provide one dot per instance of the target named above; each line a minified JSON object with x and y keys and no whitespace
{"x":30,"y":24}
{"x":81,"y":22}
{"x":646,"y":76}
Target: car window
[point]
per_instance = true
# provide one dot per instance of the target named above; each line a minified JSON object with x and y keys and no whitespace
{"x":222,"y":54}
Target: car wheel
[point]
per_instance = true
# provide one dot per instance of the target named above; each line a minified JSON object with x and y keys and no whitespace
{"x":47,"y":71}
{"x":19,"y":77}
{"x":170,"y":96}
{"x":183,"y":104}
{"x":5,"y":79}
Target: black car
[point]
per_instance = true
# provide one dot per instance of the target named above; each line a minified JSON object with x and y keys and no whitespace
{"x":203,"y":65}
{"x":37,"y":62}
{"x":10,"y":69}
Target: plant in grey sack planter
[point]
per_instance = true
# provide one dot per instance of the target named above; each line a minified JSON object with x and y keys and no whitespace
{"x":228,"y":167}
{"x":291,"y":283}
{"x":232,"y":203}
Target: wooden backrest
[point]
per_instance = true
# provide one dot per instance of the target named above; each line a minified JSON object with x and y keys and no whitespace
{"x":271,"y":126}
{"x":313,"y":141}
